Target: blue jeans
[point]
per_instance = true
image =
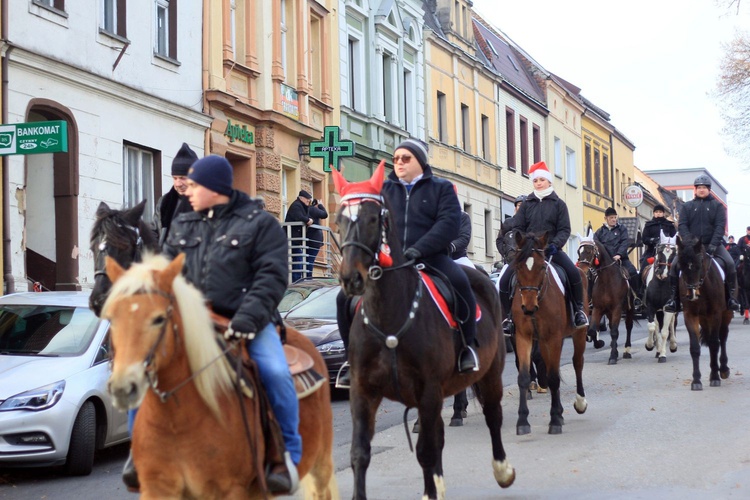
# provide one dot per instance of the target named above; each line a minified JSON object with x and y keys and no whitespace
{"x":268,"y":353}
{"x":298,"y":264}
{"x":312,"y":252}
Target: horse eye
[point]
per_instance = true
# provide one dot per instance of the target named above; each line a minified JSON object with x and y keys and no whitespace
{"x":159,"y":320}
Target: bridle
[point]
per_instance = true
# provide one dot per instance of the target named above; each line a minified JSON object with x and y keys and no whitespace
{"x":703,"y":272}
{"x":662,"y":261}
{"x":104,"y":249}
{"x":588,"y":246}
{"x":543,"y":281}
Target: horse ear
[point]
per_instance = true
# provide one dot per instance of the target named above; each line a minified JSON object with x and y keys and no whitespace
{"x":102,"y":210}
{"x":376,"y":181}
{"x":519,"y":238}
{"x":338,"y":180}
{"x":167,"y":276}
{"x":134,"y":214}
{"x":543,"y":238}
{"x":114,"y":270}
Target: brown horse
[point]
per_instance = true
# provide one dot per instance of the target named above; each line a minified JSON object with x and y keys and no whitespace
{"x":541,"y":312}
{"x":192,"y":438}
{"x":402,"y":348}
{"x":609,"y":294}
{"x":705,"y":310}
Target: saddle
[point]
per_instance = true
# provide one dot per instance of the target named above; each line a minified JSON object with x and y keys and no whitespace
{"x":559,"y":276}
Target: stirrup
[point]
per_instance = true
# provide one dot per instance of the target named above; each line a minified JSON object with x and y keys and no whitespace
{"x":670,"y":306}
{"x":468,"y":360}
{"x":509,"y":328}
{"x":343,"y":377}
{"x":576,"y":316}
{"x":285,"y":482}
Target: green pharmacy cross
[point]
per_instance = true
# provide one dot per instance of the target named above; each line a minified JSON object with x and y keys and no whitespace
{"x":331,"y":148}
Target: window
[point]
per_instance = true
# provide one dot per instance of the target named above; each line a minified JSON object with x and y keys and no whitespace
{"x":605,"y":171}
{"x":55,"y":4}
{"x":570,"y":166}
{"x":355,"y":75}
{"x":409,"y":101}
{"x":485,"y":138}
{"x":283,"y":30}
{"x":488,"y":234}
{"x":288,"y":53}
{"x":138,"y":178}
{"x":388,"y":87}
{"x":233,"y":27}
{"x":442,"y":116}
{"x":166,"y":29}
{"x":524,"y":132}
{"x":113,"y":17}
{"x":558,"y":157}
{"x":316,"y":55}
{"x":465,"y":131}
{"x":536,"y":143}
{"x":587,"y":166}
{"x":510,"y":136}
{"x":597,"y":172}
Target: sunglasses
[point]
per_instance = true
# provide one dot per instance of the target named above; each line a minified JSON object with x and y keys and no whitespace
{"x":402,"y":158}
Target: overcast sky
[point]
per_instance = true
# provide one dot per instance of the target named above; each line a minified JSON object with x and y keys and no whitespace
{"x":651,"y":64}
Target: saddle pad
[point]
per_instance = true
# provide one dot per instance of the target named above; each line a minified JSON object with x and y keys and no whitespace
{"x":440,"y":302}
{"x":556,"y":277}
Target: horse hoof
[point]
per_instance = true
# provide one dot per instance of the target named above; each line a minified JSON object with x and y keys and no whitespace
{"x":696,"y":386}
{"x":627,"y":355}
{"x":612,"y":361}
{"x":716,"y":383}
{"x":663,"y":359}
{"x":541,"y":390}
{"x":456,"y":422}
{"x":522,"y":430}
{"x":464,"y":413}
{"x":724,"y":374}
{"x":673,"y":349}
{"x":555,"y":429}
{"x":649,"y":348}
{"x":598,"y":344}
{"x":533,"y":386}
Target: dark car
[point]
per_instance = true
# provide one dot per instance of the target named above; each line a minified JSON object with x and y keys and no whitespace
{"x":310,"y":307}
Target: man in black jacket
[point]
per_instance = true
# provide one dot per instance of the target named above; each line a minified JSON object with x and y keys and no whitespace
{"x":704,"y":218}
{"x":651,"y":234}
{"x":174,"y":202}
{"x":314,"y":235}
{"x":614,"y":237}
{"x":299,"y":211}
{"x":235,"y":253}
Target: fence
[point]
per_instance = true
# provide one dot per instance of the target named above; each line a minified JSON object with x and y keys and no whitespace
{"x":327,"y":260}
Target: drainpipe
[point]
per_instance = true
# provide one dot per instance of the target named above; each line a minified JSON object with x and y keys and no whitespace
{"x":10,"y":285}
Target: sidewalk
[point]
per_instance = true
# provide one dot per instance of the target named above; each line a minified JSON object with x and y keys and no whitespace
{"x":645,"y":435}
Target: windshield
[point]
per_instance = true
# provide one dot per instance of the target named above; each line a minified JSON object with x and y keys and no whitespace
{"x":318,"y":304}
{"x":46,"y":330}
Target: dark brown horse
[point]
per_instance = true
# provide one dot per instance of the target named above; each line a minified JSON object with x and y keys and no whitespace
{"x":705,"y":310}
{"x":402,"y":348}
{"x":609,"y":294}
{"x":541,"y":312}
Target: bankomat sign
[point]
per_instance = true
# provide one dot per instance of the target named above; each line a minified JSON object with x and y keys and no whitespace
{"x":34,"y":138}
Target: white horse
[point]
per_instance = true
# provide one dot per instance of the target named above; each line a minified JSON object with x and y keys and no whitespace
{"x":657,"y":293}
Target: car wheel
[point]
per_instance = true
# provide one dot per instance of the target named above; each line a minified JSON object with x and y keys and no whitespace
{"x":80,"y":459}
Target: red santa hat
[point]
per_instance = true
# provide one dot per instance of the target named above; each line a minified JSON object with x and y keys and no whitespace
{"x":540,"y":170}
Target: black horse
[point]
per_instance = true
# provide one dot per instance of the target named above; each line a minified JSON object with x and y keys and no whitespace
{"x":124,"y":236}
{"x":705,"y":309}
{"x":661,"y":324}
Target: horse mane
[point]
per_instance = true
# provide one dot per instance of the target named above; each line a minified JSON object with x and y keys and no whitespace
{"x":687,"y":251}
{"x":530,"y":243}
{"x":112,"y":223}
{"x":604,"y":253}
{"x":197,"y":327}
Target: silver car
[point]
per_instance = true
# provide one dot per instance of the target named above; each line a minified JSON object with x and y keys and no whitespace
{"x":54,"y":405}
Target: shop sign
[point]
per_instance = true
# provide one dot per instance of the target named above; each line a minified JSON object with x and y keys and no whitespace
{"x":289,"y":102}
{"x":633,"y":195}
{"x":34,"y":138}
{"x":331,"y":148}
{"x":239,"y":132}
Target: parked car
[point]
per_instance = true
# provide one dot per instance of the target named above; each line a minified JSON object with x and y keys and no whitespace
{"x":54,"y":405}
{"x":310,"y":306}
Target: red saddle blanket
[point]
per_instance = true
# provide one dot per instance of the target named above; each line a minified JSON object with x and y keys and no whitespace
{"x":440,"y":301}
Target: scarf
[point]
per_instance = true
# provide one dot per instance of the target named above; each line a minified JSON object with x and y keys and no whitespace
{"x":543,"y":192}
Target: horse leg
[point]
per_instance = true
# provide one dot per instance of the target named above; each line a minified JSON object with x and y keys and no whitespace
{"x":651,"y":317}
{"x":430,"y":444}
{"x":628,"y":330}
{"x":541,"y":370}
{"x":491,"y":390}
{"x":593,"y":329}
{"x":723,"y":335}
{"x":363,"y":429}
{"x":671,"y":320}
{"x":661,"y":352}
{"x":614,"y":332}
{"x":551,"y":355}
{"x":579,"y":347}
{"x":460,"y":404}
{"x":523,"y":350}
{"x":693,"y":329}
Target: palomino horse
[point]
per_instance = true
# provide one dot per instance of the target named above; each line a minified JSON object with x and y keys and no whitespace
{"x":661,"y":324}
{"x":401,"y":347}
{"x":541,"y":312}
{"x":704,"y":308}
{"x":196,"y":435}
{"x":609,"y":294}
{"x":743,"y":282}
{"x":122,"y":235}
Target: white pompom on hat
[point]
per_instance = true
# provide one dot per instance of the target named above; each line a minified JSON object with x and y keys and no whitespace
{"x":540,"y":170}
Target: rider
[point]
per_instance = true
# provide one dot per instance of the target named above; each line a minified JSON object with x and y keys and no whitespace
{"x":704,"y":218}
{"x":743,"y":243}
{"x":544,"y":211}
{"x":614,"y":237}
{"x":503,"y":241}
{"x":236,"y":254}
{"x":734,"y":250}
{"x":459,"y":245}
{"x":652,"y":230}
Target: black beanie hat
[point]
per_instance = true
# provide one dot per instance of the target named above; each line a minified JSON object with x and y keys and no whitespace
{"x":610,"y":211}
{"x":183,"y":160}
{"x":417,"y":148}
{"x":213,"y":172}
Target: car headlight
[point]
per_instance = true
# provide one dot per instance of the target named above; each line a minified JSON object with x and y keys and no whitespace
{"x":35,"y":399}
{"x":331,"y":348}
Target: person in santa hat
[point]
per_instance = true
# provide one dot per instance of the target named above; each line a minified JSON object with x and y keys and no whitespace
{"x":544,"y":211}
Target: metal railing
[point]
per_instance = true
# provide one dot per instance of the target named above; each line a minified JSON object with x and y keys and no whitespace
{"x":328,"y":259}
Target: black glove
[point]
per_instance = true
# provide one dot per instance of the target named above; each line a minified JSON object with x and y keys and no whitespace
{"x":238,"y":332}
{"x":412,"y":254}
{"x":711,"y":249}
{"x":550,"y":250}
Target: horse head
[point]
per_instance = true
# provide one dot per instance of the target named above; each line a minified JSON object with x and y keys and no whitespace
{"x":122,"y":235}
{"x":666,"y":251}
{"x":161,"y":334}
{"x":691,"y":257}
{"x":588,"y":253}
{"x":364,"y":227}
{"x":531,"y":269}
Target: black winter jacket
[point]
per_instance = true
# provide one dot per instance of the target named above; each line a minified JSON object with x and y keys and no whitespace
{"x":614,"y":239}
{"x":298,"y":212}
{"x":431,"y":209}
{"x":460,"y":244}
{"x":537,"y":216}
{"x":316,"y":212}
{"x":168,"y":207}
{"x":651,"y":234}
{"x":236,"y":254}
{"x":703,"y":218}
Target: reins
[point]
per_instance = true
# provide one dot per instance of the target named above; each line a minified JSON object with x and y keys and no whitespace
{"x":104,"y":248}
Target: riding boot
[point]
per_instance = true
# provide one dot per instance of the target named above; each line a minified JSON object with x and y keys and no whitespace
{"x":674,"y":286}
{"x":467,"y":359}
{"x":731,"y":282}
{"x":508,"y":327}
{"x":580,"y":319}
{"x":283,"y":478}
{"x":344,"y":320}
{"x":129,"y":474}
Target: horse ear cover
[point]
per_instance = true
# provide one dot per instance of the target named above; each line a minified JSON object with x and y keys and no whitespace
{"x":371,"y":186}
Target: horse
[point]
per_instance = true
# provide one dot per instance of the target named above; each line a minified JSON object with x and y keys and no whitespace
{"x":661,"y":324}
{"x":705,"y":310}
{"x":401,"y":347}
{"x":122,"y":235}
{"x":540,"y":311}
{"x":197,"y":435}
{"x":609,"y":294}
{"x":743,"y":282}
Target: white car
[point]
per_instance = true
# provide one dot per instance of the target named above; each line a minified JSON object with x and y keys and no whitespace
{"x":54,"y":405}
